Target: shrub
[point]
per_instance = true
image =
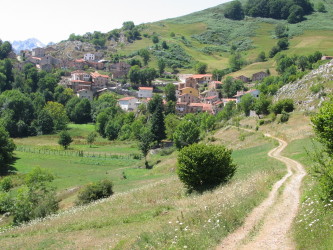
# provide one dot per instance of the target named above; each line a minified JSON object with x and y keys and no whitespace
{"x":64,"y":139}
{"x":286,"y":105}
{"x":316,"y":88}
{"x":95,"y":191}
{"x":284,"y":117}
{"x":202,"y":167}
{"x":6,"y":184}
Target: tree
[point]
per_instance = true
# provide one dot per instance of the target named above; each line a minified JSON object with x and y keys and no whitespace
{"x":45,"y":123}
{"x":82,"y":112}
{"x":323,"y":170}
{"x":261,"y":105}
{"x":161,"y":66}
{"x":286,"y":105}
{"x":155,"y":39}
{"x":144,"y":53}
{"x":218,"y":74}
{"x":261,"y":57}
{"x":58,"y":113}
{"x":155,"y":102}
{"x":246,"y":103}
{"x":202,"y":167}
{"x":128,"y":25}
{"x":281,"y":31}
{"x":234,"y":10}
{"x":91,"y":138}
{"x":145,"y":142}
{"x":7,"y":148}
{"x":236,"y":62}
{"x":134,"y":74}
{"x":187,"y":133}
{"x":171,"y":123}
{"x":296,"y":14}
{"x":321,"y":7}
{"x":157,"y":124}
{"x":283,"y":43}
{"x":201,"y":67}
{"x":165,"y":45}
{"x":302,"y":63}
{"x":170,"y":92}
{"x":64,"y":139}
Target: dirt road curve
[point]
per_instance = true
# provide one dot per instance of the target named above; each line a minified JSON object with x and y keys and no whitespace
{"x":268,"y":224}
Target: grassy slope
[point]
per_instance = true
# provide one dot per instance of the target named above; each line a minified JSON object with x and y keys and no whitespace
{"x":315,"y":33}
{"x":141,"y":217}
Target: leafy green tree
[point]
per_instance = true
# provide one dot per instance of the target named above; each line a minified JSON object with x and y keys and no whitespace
{"x":227,"y":112}
{"x":234,"y":10}
{"x":283,"y":43}
{"x":128,"y":25}
{"x":286,"y":105}
{"x":261,"y":57}
{"x":261,"y":105}
{"x":36,"y":198}
{"x":144,"y":53}
{"x":281,"y":31}
{"x":201,"y":67}
{"x":296,"y":14}
{"x":207,"y":122}
{"x":82,"y":112}
{"x":58,"y":113}
{"x":218,"y":74}
{"x":161,"y":66}
{"x":134,"y":74}
{"x":274,"y":50}
{"x":171,"y":123}
{"x":302,"y":63}
{"x":155,"y":39}
{"x":45,"y":123}
{"x":321,"y":7}
{"x":91,"y":138}
{"x":65,"y":139}
{"x":112,"y":128}
{"x":145,"y":142}
{"x":170,"y":92}
{"x":323,"y":170}
{"x":63,"y":95}
{"x":201,"y":167}
{"x":170,"y":108}
{"x":17,"y":111}
{"x":236,"y":62}
{"x":7,"y":148}
{"x":165,"y":45}
{"x":246,"y":103}
{"x":187,"y":133}
{"x":155,"y":102}
{"x":230,"y":86}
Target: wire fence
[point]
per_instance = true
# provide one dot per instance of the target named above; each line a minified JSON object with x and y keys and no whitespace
{"x":77,"y":153}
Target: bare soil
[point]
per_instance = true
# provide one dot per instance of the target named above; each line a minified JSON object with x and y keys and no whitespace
{"x":268,"y":225}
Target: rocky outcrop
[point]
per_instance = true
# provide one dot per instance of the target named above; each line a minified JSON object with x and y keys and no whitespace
{"x":301,"y":92}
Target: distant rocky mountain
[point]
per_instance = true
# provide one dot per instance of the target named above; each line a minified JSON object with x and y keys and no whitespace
{"x":29,"y":44}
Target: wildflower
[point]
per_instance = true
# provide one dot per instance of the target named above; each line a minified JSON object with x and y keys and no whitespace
{"x":185,"y":246}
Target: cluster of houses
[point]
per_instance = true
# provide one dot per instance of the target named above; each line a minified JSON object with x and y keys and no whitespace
{"x":87,"y":85}
{"x":43,"y":59}
{"x":189,"y":98}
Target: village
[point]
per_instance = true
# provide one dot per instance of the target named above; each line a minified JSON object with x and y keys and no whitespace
{"x":89,"y":85}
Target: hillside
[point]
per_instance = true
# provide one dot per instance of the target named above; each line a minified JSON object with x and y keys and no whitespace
{"x":207,"y":36}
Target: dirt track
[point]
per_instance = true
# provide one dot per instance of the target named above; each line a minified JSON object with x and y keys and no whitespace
{"x":267,"y":226}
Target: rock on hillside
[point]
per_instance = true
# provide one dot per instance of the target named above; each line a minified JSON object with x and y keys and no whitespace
{"x":303,"y":91}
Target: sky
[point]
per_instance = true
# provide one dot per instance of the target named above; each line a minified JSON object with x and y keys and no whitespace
{"x":55,"y":20}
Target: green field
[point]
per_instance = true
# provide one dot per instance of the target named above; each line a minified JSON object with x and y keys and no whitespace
{"x":147,"y":203}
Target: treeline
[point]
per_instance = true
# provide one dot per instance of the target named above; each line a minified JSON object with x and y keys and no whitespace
{"x":291,"y":10}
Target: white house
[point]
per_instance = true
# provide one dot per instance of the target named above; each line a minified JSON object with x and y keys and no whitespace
{"x":89,"y":57}
{"x":85,"y":93}
{"x":145,"y":92}
{"x":128,"y":103}
{"x":80,"y":75}
{"x":254,"y":92}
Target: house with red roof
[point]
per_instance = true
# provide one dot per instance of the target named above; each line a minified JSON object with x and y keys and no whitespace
{"x":99,"y":81}
{"x":203,"y":78}
{"x":145,"y":92}
{"x":128,"y":103}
